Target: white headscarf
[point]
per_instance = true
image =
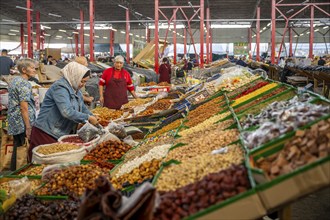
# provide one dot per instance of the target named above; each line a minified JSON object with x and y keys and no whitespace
{"x":74,"y":72}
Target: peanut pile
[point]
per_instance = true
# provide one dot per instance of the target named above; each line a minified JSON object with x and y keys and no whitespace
{"x":190,"y":171}
{"x":57,"y":148}
{"x":212,"y":140}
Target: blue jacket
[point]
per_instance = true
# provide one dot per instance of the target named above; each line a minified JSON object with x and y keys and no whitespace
{"x":62,"y":109}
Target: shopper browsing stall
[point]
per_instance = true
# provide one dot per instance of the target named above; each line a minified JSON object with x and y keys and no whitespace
{"x":165,"y":71}
{"x":21,"y":107}
{"x":63,"y":107}
{"x":117,"y":82}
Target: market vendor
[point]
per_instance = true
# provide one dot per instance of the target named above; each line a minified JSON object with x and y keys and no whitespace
{"x":62,"y":108}
{"x":117,"y":81}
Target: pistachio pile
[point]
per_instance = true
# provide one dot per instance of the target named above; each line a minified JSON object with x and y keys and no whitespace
{"x":196,"y":168}
{"x":57,"y":148}
{"x":145,"y":171}
{"x":211,"y":141}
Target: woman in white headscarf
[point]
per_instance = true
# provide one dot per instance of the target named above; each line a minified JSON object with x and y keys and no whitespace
{"x":63,"y":107}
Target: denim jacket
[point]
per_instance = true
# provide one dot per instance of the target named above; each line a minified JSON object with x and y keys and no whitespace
{"x":62,"y":109}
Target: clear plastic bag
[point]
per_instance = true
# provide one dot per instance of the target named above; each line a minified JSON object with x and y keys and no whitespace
{"x":129,"y":140}
{"x":20,"y":187}
{"x":88,"y":132}
{"x":117,"y":129}
{"x":108,"y":136}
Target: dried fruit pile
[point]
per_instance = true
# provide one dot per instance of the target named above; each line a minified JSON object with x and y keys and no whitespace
{"x":30,"y":207}
{"x":213,"y":188}
{"x":306,"y":147}
{"x":71,"y":180}
{"x":108,"y":150}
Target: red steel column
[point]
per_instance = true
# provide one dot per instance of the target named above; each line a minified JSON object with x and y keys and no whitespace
{"x":38,"y":29}
{"x":201,"y":29}
{"x":273,"y":39}
{"x":91,"y":29}
{"x":174,"y":36}
{"x":22,"y":40}
{"x":29,"y":28}
{"x":156,"y":36}
{"x":207,"y":35}
{"x":127,"y":37}
{"x":112,"y":40}
{"x":42,"y":40}
{"x":211,"y":40}
{"x":76,"y":44}
{"x":258,"y":34}
{"x":148,"y":35}
{"x":250,"y":42}
{"x":185,"y":41}
{"x":290,"y":41}
{"x":311,"y":34}
{"x":81,"y":33}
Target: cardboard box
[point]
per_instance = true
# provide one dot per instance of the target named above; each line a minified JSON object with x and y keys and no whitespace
{"x":292,"y":187}
{"x":288,"y":187}
{"x":244,"y":206}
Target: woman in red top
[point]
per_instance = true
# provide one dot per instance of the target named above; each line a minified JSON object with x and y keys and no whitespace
{"x":165,"y":71}
{"x":116,"y":81}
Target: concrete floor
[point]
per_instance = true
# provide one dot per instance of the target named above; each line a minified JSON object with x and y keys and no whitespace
{"x":315,"y":206}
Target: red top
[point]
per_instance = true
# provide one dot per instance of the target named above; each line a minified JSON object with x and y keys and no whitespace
{"x":107,"y":74}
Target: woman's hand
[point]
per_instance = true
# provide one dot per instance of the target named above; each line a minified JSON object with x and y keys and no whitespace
{"x":93,"y":120}
{"x":101,"y":100}
{"x":28,"y":133}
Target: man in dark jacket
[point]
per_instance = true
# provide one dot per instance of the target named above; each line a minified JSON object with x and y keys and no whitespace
{"x":321,"y":62}
{"x":5,"y":63}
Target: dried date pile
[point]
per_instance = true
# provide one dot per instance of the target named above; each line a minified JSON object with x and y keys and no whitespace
{"x":108,"y":150}
{"x":29,"y":207}
{"x":212,"y":189}
{"x":72,"y":180}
